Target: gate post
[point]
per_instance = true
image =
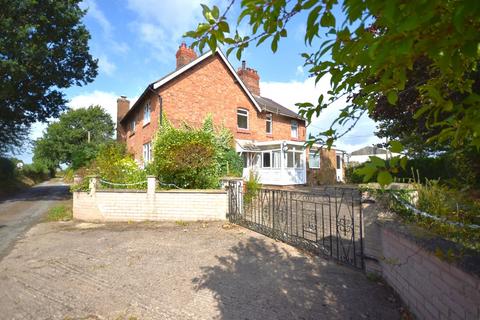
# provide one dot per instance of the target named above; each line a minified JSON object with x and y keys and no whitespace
{"x":151,"y":184}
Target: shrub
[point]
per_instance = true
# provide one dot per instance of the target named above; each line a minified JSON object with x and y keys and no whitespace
{"x":7,"y":169}
{"x":195,"y":157}
{"x":352,"y":176}
{"x":252,"y":186}
{"x":114,"y":164}
{"x":36,"y":171}
{"x":186,"y":158}
{"x":231,"y":163}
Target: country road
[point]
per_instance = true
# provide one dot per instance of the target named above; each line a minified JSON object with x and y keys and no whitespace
{"x":19,"y":212}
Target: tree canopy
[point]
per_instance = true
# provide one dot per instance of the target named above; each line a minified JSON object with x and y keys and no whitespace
{"x":369,"y":55}
{"x":66,"y":141}
{"x":43,"y":49}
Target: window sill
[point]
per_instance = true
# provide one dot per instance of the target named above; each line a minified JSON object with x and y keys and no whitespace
{"x":246,"y":131}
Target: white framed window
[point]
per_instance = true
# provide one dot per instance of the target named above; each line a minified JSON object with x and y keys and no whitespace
{"x":295,"y":158}
{"x":276,"y":157}
{"x":147,"y":153}
{"x":339,"y":162}
{"x":294,"y":126}
{"x":146,"y":113}
{"x":242,"y":119}
{"x":314,"y":159}
{"x":268,"y":123}
{"x":132,"y":125}
{"x":266,"y":160}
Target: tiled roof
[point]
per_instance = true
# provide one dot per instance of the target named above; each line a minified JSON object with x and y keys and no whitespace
{"x":276,"y":108}
{"x":368,"y":151}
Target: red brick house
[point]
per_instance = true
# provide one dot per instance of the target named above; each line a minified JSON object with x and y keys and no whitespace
{"x":269,"y":137}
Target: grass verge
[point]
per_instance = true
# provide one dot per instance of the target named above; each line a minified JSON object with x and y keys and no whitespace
{"x":60,"y":213}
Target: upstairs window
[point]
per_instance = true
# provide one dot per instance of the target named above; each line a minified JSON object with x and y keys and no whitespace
{"x":242,"y":119}
{"x":146,"y":113}
{"x":339,"y":162}
{"x":132,"y":125}
{"x":294,"y":127}
{"x":314,"y":159}
{"x":268,"y":123}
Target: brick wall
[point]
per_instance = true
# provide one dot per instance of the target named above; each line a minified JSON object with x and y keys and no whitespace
{"x":208,"y":88}
{"x":327,"y":174}
{"x":432,"y":288}
{"x":186,"y":205}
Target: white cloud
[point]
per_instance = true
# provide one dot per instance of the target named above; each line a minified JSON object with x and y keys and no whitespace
{"x":96,"y":14}
{"x":289,"y":93}
{"x":299,"y":71}
{"x":106,"y":66}
{"x":162,"y":29}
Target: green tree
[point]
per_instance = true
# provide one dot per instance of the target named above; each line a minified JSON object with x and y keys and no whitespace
{"x":368,"y":55}
{"x":75,"y":138}
{"x":43,"y":49}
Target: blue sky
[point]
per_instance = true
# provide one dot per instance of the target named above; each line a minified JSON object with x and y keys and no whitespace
{"x":136,"y":40}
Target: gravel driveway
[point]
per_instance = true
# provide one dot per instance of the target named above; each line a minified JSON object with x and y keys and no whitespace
{"x":174,"y":271}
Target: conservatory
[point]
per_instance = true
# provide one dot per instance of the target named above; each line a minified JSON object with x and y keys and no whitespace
{"x":274,"y":162}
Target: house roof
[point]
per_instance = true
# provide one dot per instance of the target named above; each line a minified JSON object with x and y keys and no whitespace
{"x":368,"y":151}
{"x":261,"y":103}
{"x":274,"y":107}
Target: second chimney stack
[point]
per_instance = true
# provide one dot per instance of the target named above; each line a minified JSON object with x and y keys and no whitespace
{"x":250,"y":78}
{"x":185,"y":55}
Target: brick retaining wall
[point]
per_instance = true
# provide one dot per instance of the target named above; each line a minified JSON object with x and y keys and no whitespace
{"x":432,"y":288}
{"x":187,"y":205}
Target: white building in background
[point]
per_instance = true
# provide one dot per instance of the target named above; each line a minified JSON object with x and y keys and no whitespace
{"x":363,"y":155}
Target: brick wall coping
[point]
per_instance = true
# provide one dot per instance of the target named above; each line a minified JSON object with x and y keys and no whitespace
{"x":465,"y":259}
{"x":207,"y":191}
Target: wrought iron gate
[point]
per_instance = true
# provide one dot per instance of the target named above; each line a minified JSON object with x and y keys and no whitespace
{"x":326,"y":221}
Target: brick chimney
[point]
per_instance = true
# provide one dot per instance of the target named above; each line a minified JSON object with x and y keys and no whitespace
{"x":185,"y":55}
{"x":250,"y":78}
{"x":123,"y":104}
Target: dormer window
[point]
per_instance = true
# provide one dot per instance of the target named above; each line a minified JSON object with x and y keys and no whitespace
{"x":146,"y":113}
{"x":242,"y":119}
{"x":294,"y":129}
{"x":268,"y":123}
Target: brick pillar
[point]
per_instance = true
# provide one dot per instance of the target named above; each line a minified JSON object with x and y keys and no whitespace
{"x":151,"y":184}
{"x":93,"y":184}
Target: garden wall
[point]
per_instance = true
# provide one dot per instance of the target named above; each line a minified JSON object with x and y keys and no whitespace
{"x":408,"y":260}
{"x":124,"y":205}
{"x":432,"y":288}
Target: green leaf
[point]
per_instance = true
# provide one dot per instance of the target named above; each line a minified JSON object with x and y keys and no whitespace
{"x":377,"y":162}
{"x":396,"y":146}
{"x":327,"y":20}
{"x":392,"y":97}
{"x":215,"y":12}
{"x":403,"y":163}
{"x":384,"y":178}
{"x":223,"y":26}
